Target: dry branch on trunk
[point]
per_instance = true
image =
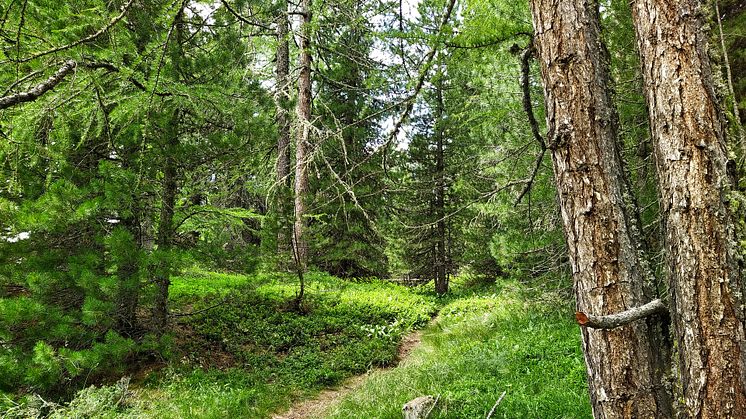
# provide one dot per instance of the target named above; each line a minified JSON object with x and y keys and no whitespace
{"x":613,"y":321}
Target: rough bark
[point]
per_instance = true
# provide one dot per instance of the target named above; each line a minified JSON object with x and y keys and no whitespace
{"x":302,"y":146}
{"x":691,"y":157}
{"x":610,"y":275}
{"x":282,"y":99}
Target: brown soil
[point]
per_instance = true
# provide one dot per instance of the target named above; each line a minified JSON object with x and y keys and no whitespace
{"x":315,"y":408}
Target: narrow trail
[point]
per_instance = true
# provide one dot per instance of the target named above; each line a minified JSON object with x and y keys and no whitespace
{"x":314,"y":408}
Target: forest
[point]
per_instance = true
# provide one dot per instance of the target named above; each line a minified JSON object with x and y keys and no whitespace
{"x":372,"y":209}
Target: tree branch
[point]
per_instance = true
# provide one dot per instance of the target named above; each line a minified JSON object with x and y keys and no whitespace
{"x":40,"y":89}
{"x":428,"y":62}
{"x":243,"y":18}
{"x":620,"y":319}
{"x":526,"y":56}
{"x":90,"y":37}
{"x":489,"y":43}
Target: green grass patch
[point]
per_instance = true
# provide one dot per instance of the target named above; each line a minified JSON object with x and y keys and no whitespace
{"x":481,"y":346}
{"x":253,"y":354}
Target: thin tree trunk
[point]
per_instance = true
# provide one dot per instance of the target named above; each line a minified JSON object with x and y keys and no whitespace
{"x":441,"y":281}
{"x":282,"y":100}
{"x":165,"y":235}
{"x":164,"y":239}
{"x":302,"y":142}
{"x":691,"y":157}
{"x":128,"y":292}
{"x":741,"y":140}
{"x":624,"y":365}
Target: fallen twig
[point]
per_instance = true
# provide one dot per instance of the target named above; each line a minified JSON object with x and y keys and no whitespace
{"x":432,"y":407}
{"x":489,"y":415}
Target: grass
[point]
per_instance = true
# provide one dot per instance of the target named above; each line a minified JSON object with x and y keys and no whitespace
{"x":250,"y":356}
{"x":253,"y":355}
{"x":480,"y":347}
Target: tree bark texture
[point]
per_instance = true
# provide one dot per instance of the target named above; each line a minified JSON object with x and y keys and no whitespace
{"x":610,"y":275}
{"x":282,"y":101}
{"x":302,"y":147}
{"x":691,"y":157}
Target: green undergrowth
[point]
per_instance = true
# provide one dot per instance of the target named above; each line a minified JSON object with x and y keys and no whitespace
{"x":482,"y":346}
{"x":251,"y":353}
{"x":244,"y":352}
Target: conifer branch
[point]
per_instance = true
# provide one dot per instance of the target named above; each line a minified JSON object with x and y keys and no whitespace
{"x":526,"y":56}
{"x":243,"y":18}
{"x":88,"y":38}
{"x":38,"y":90}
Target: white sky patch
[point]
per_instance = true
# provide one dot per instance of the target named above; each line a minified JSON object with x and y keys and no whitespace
{"x":24,"y":235}
{"x":383,"y":54}
{"x":204,"y":10}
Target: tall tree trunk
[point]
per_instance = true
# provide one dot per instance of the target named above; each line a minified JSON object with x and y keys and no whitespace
{"x":282,"y":100}
{"x":165,"y":236}
{"x":610,"y":274}
{"x":691,"y":157}
{"x":164,"y":239}
{"x":128,"y":292}
{"x":441,"y":280}
{"x":302,"y":142}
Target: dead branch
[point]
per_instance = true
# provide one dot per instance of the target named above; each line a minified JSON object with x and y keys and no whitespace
{"x":526,"y":56}
{"x":499,"y":399}
{"x":613,"y":321}
{"x":39,"y":89}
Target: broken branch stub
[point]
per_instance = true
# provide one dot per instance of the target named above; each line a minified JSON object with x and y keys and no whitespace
{"x":613,"y":321}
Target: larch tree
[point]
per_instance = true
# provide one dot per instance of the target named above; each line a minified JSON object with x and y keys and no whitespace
{"x":441,"y":260}
{"x":282,"y":117}
{"x":170,"y":185}
{"x":302,"y":145}
{"x":704,"y":276}
{"x":610,"y":274}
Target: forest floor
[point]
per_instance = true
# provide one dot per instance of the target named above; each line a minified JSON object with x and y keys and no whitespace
{"x":358,"y":349}
{"x":316,"y":407}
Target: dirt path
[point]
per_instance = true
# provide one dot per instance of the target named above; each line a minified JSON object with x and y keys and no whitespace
{"x":315,"y":407}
